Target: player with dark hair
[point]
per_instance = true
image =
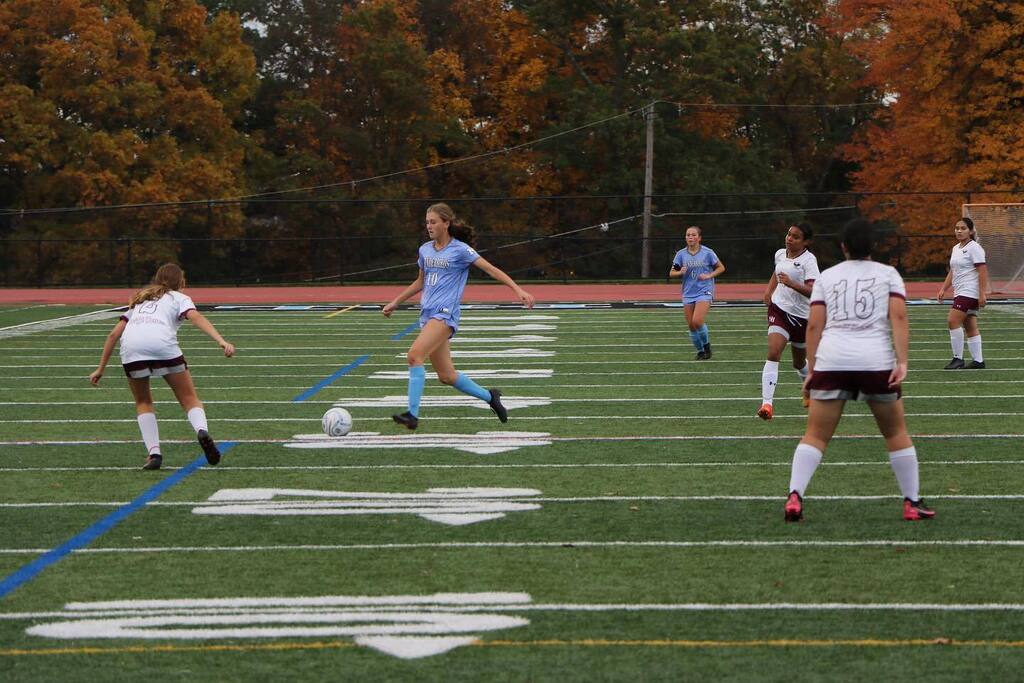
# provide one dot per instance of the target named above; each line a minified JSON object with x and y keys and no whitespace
{"x":698,"y":266}
{"x":968,"y":276}
{"x":788,"y":300}
{"x":857,"y":349}
{"x":444,"y":268}
{"x":148,"y":332}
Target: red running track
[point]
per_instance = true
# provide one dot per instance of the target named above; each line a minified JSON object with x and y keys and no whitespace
{"x":381,"y":294}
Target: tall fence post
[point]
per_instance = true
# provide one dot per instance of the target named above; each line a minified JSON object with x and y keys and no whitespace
{"x":645,"y":248}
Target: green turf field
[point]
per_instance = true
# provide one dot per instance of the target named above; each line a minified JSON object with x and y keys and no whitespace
{"x":625,"y":524}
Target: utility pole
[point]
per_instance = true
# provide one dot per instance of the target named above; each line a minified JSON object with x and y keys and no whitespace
{"x":645,"y":248}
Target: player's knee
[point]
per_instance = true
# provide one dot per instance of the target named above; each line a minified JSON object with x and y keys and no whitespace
{"x":413,"y":358}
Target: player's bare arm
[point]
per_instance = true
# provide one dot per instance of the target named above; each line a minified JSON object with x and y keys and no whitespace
{"x":414,"y":288}
{"x":207,"y":328}
{"x":108,"y":349}
{"x":502,"y":277}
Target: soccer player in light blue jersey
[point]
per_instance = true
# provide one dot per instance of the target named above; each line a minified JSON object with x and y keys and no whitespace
{"x":698,"y":266}
{"x":444,"y":267}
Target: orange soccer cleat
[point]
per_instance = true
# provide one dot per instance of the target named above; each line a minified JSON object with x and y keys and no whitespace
{"x":915,"y":511}
{"x":794,"y":507}
{"x":765,"y":412}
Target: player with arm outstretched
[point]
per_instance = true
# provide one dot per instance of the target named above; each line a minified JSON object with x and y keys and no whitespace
{"x":444,"y":268}
{"x":148,"y":332}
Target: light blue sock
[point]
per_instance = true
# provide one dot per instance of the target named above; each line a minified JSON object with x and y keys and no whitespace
{"x":468,"y":386}
{"x":695,"y":338}
{"x":705,"y":339}
{"x":417,"y":378}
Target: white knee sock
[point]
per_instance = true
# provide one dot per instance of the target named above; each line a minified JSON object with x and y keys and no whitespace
{"x":197,"y":417}
{"x":150,"y":432}
{"x":956,"y":340}
{"x":974,"y":345}
{"x":769,"y":378}
{"x":804,"y":371}
{"x":805,"y":461}
{"x":904,"y":465}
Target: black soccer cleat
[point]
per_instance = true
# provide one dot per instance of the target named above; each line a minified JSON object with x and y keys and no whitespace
{"x":153,"y":462}
{"x":707,"y":352}
{"x":495,"y":404}
{"x":955,"y":364}
{"x":975,"y":365}
{"x":407,"y":419}
{"x":700,"y":356}
{"x":209,"y":447}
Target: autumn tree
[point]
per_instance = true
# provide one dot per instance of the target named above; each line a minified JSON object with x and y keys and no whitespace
{"x":951,"y":72}
{"x":121,"y":102}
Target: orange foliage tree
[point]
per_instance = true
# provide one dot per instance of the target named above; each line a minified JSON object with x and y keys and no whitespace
{"x":107,"y":102}
{"x":951,"y":72}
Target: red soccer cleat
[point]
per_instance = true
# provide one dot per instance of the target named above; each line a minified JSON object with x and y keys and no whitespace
{"x":765,"y":412}
{"x":913,"y":512}
{"x":794,"y":507}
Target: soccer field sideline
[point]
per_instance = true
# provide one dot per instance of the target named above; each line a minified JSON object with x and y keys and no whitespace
{"x":750,"y":349}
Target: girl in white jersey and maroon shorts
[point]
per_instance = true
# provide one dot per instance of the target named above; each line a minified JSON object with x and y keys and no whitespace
{"x":148,"y":332}
{"x":968,"y":275}
{"x":858,"y":315}
{"x":788,"y":302}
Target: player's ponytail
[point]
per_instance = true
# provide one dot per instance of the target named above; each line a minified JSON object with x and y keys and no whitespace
{"x":169,"y":277}
{"x":858,"y":238}
{"x":457,"y":228}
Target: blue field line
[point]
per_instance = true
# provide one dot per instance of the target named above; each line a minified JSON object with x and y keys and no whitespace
{"x":412,"y":326}
{"x":327,"y":381}
{"x":33,"y":568}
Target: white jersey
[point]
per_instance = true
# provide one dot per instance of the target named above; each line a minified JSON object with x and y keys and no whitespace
{"x":801,"y":269}
{"x":963,"y":264}
{"x":857,"y":334}
{"x":152,"y":330}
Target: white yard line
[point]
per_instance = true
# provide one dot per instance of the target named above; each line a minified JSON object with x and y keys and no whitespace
{"x":760,"y":544}
{"x":574,"y":499}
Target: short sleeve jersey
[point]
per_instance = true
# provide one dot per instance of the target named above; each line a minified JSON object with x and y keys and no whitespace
{"x":801,"y":269}
{"x":857,"y":334}
{"x":152,"y":330}
{"x":963,"y":264}
{"x":704,"y":261}
{"x":445,"y":272}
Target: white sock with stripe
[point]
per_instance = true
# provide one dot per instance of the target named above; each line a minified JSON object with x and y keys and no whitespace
{"x":904,"y":465}
{"x":806,"y":459}
{"x":150,"y":432}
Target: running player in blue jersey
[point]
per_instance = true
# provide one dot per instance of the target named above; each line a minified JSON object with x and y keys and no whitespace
{"x":444,"y":267}
{"x":698,"y":266}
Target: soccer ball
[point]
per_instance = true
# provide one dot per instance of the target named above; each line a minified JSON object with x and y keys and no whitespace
{"x":337,"y":422}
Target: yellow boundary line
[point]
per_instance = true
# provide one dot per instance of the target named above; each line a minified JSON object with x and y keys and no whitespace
{"x":343,"y":310}
{"x":689,"y":644}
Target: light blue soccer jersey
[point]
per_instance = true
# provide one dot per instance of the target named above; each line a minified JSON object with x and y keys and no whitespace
{"x":444,"y":278}
{"x":704,"y":261}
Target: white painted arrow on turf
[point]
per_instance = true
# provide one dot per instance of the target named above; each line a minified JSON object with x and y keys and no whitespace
{"x":408,"y":627}
{"x":452,"y":506}
{"x":481,"y":443}
{"x":496,"y":373}
{"x":497,"y":353}
{"x":448,"y":401}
